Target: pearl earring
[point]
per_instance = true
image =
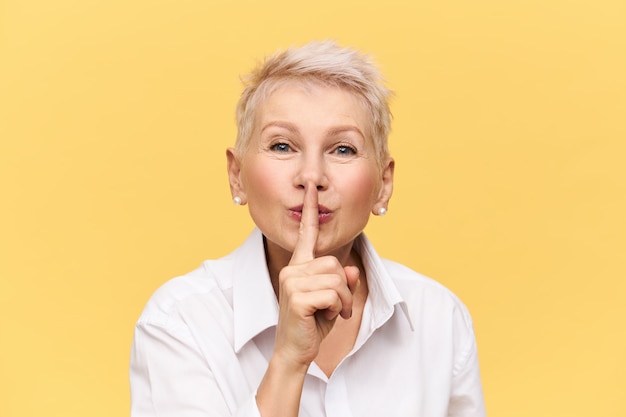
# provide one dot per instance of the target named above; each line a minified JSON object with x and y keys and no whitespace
{"x":382,"y":211}
{"x":237,"y":200}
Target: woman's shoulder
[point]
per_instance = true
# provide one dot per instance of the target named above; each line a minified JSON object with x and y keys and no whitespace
{"x":414,"y":288}
{"x":210,"y":277}
{"x":414,"y":285}
{"x":403,"y":273}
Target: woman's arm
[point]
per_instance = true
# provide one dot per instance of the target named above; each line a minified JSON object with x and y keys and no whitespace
{"x":170,"y":377}
{"x":466,"y":395}
{"x":313,"y":292}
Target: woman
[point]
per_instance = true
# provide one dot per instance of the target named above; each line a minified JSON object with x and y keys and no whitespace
{"x":305,"y":318}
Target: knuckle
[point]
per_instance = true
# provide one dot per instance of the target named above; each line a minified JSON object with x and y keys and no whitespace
{"x":331,"y":300}
{"x":284,"y":276}
{"x":330,"y":262}
{"x":296,"y":299}
{"x":335,"y":281}
{"x":335,"y":299}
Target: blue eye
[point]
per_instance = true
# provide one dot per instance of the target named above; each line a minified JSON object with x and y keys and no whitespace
{"x":280,"y":147}
{"x":345,"y":150}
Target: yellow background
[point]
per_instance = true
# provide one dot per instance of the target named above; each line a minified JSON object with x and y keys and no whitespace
{"x":509,"y":136}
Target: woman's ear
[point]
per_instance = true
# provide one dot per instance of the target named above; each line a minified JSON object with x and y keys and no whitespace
{"x":386,"y":189}
{"x":233,"y":164}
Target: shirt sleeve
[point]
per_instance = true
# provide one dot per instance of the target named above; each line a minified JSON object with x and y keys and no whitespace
{"x":169,"y":377}
{"x":466,"y":397}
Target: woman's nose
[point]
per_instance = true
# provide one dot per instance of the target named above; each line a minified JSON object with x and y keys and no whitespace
{"x":311,"y":170}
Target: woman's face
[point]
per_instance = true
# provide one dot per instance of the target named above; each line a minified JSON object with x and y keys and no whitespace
{"x":315,"y":135}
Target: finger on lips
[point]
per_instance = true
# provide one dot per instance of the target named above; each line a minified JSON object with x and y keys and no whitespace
{"x":334,"y":296}
{"x":309,"y":227}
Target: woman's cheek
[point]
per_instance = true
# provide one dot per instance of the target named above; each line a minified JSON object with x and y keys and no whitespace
{"x":263,"y":178}
{"x":363,"y":187}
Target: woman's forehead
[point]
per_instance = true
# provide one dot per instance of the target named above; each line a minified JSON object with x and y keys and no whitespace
{"x":292,"y":96}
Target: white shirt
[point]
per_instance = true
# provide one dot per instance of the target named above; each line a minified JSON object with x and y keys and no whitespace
{"x":204,"y":340}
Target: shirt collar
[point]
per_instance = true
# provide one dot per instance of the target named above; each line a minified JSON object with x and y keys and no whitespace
{"x":255,"y":305}
{"x":383,"y":296}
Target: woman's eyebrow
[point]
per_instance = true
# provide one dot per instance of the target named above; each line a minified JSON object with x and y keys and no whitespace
{"x":333,"y":131}
{"x":285,"y":125}
{"x":341,"y":129}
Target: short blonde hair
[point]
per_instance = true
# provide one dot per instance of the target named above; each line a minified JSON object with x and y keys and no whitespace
{"x":325,"y":63}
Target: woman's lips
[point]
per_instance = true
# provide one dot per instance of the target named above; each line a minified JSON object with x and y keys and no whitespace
{"x":324,"y":214}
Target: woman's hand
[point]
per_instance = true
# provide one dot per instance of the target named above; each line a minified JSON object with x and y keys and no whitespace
{"x":312,"y":292}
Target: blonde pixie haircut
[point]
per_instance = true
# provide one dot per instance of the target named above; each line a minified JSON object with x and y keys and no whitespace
{"x":324,"y":63}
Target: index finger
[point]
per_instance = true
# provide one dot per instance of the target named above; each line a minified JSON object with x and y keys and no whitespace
{"x":309,"y":228}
